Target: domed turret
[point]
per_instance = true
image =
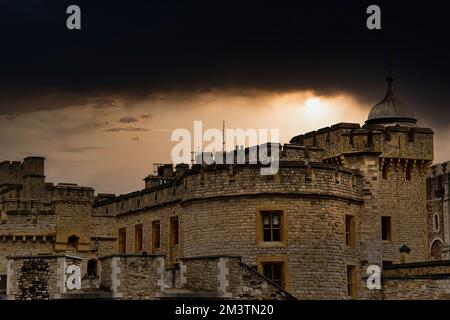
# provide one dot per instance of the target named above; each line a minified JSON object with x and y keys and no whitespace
{"x":391,"y":111}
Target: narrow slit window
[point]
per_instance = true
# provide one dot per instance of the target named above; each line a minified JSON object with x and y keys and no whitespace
{"x":385,"y":171}
{"x":122,"y":240}
{"x":408,"y":171}
{"x":349,"y":230}
{"x":386,"y":226}
{"x":174,"y":230}
{"x":138,"y":238}
{"x":156,"y":235}
{"x":351,"y":281}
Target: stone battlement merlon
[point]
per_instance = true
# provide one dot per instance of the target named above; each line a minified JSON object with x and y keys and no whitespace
{"x":72,"y":193}
{"x":24,"y":205}
{"x":309,"y":176}
{"x":26,"y":173}
{"x":392,"y":141}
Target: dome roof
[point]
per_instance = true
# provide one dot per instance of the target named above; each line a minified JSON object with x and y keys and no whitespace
{"x":391,"y":110}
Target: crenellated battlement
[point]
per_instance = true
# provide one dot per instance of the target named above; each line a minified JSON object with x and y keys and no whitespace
{"x":11,"y":172}
{"x":14,"y":172}
{"x":72,"y":192}
{"x":295,"y":177}
{"x":25,"y":206}
{"x":390,"y":141}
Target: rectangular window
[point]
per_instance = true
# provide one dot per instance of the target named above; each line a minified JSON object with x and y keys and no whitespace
{"x":350,"y":230}
{"x":386,"y":263}
{"x":271,"y":225}
{"x":408,"y":171}
{"x":386,"y":228}
{"x":156,"y":235}
{"x":2,"y":284}
{"x":138,"y":238}
{"x":351,"y":281}
{"x":385,"y":171}
{"x":174,"y":230}
{"x":122,"y":240}
{"x":273,"y":271}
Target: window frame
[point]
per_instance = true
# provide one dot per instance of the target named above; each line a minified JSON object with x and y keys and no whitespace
{"x":282,"y":260}
{"x":351,"y":282}
{"x":140,"y":242}
{"x":156,"y":235}
{"x":283,"y":226}
{"x":350,"y":231}
{"x":174,"y":232}
{"x":124,"y":232}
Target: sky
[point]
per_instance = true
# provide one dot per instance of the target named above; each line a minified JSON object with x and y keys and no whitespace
{"x":101,"y":103}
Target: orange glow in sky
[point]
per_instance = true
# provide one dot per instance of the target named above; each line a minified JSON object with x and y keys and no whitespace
{"x":112,"y":149}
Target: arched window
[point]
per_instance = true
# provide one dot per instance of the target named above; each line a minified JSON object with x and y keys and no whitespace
{"x":72,"y":242}
{"x":436,"y":250}
{"x":92,"y":268}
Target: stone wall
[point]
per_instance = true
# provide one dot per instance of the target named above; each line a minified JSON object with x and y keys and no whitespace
{"x":200,"y":274}
{"x":146,"y":217}
{"x":228,"y":278}
{"x":314,"y":199}
{"x":405,"y":202}
{"x":18,"y":247}
{"x":73,"y":206}
{"x":314,"y":252}
{"x":417,"y":281}
{"x":38,"y":277}
{"x":133,"y":276}
{"x":438,"y":208}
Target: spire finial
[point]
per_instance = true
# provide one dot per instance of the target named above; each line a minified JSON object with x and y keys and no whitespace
{"x":223,"y":137}
{"x":389,"y":77}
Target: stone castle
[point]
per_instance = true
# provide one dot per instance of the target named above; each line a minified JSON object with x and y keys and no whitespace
{"x":345,"y":197}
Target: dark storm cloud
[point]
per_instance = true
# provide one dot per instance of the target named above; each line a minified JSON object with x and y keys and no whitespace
{"x":81,"y":149}
{"x":136,"y":48}
{"x":128,"y":120}
{"x":131,"y":129}
{"x":101,"y":103}
{"x":16,"y":101}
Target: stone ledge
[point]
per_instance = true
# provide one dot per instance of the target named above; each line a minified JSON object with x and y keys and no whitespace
{"x":47,"y":256}
{"x":441,"y":276}
{"x":212,"y":257}
{"x":131,"y":255}
{"x":306,"y":195}
{"x":418,"y":264}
